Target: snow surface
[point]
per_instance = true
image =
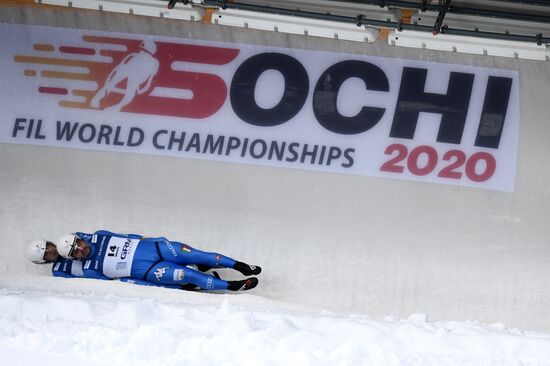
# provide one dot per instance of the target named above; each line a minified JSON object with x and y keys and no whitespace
{"x":49,"y":321}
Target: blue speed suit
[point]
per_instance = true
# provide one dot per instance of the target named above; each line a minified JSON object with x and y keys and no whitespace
{"x":69,"y":268}
{"x":156,"y":260}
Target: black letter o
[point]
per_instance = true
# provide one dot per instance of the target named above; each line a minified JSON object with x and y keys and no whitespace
{"x":244,"y":83}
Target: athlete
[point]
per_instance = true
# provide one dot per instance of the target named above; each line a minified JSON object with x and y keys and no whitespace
{"x":44,"y":251}
{"x":108,"y":255}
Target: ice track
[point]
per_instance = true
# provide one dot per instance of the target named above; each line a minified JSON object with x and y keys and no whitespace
{"x":49,"y":321}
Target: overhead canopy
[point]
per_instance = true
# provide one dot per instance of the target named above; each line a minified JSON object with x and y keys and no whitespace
{"x":519,"y":29}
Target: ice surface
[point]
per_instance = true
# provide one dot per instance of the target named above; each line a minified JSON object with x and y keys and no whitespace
{"x":50,"y":321}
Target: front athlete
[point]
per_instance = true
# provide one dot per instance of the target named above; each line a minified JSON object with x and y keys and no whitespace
{"x":108,"y":255}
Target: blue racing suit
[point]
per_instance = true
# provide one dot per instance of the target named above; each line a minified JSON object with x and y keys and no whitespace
{"x":69,"y":268}
{"x":156,"y":260}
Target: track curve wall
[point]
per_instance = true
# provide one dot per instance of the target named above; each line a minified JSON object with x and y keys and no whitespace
{"x":345,"y":243}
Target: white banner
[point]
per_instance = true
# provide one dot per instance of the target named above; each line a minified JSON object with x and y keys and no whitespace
{"x":333,"y":112}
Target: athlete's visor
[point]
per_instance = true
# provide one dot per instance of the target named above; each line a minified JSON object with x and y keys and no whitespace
{"x":79,"y":249}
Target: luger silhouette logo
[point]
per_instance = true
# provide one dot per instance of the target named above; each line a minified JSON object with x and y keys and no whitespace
{"x":141,"y":77}
{"x":132,"y":76}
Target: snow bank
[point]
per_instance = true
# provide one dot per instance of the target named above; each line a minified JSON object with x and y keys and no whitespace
{"x":51,"y":320}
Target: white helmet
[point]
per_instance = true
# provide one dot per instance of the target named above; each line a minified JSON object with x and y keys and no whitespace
{"x":36,"y":251}
{"x":65,"y":244}
{"x":149,"y":46}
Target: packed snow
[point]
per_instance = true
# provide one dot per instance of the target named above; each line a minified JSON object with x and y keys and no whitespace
{"x":49,"y":321}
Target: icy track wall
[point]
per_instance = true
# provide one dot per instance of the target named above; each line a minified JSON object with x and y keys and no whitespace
{"x":345,"y":243}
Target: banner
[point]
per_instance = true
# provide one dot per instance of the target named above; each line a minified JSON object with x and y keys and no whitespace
{"x":333,"y":112}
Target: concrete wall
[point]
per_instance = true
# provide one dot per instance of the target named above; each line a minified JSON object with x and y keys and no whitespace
{"x":339,"y":242}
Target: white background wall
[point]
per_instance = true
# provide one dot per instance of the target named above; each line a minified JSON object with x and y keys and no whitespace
{"x":339,"y":242}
